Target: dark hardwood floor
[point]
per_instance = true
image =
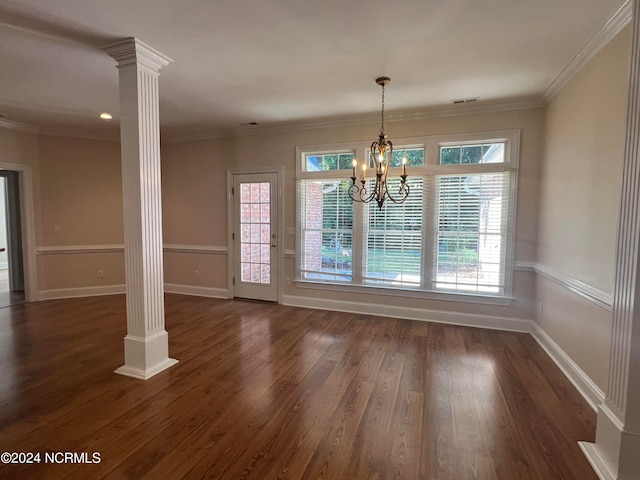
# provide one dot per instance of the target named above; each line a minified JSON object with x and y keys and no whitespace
{"x":264,"y":391}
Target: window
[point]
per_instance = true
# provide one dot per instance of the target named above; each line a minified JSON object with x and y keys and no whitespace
{"x":471,"y":231}
{"x":393,"y":237}
{"x":452,"y":235}
{"x":327,"y":225}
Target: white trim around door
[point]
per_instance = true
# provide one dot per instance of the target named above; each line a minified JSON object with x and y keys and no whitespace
{"x":279,"y":205}
{"x":27,"y":220}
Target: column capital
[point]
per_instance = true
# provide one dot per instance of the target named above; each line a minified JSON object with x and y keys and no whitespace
{"x":131,"y":51}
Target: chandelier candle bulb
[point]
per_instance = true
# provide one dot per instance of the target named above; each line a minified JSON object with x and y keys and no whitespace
{"x":404,"y":165}
{"x":355,"y":164}
{"x":364,"y":171}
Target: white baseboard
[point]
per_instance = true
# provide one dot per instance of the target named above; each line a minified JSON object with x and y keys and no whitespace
{"x":80,"y":292}
{"x":197,"y":291}
{"x":587,"y":387}
{"x":120,"y":289}
{"x":596,"y":461}
{"x":440,"y":316}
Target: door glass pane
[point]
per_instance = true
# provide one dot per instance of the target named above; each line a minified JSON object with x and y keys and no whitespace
{"x":255,"y":236}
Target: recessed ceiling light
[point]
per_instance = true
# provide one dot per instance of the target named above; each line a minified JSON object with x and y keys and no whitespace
{"x":106,"y":116}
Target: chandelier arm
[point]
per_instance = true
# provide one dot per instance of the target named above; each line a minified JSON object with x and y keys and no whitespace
{"x":361,"y":194}
{"x":403,"y":193}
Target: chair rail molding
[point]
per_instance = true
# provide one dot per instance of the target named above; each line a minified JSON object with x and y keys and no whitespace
{"x":591,"y":293}
{"x":118,"y":248}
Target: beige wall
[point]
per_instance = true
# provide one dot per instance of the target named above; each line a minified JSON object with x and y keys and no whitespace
{"x":194,"y":210}
{"x":194,"y":193}
{"x":20,"y":147}
{"x":581,"y":175}
{"x":81,"y":196}
{"x":17,"y":146}
{"x":578,"y":207}
{"x":79,"y":270}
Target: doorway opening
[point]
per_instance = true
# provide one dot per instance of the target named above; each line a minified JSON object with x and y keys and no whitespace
{"x":11,"y":255}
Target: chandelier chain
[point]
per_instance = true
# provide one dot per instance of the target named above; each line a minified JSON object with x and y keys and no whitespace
{"x":382,"y":112}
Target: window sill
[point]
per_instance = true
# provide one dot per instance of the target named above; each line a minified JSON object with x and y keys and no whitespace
{"x":400,"y":292}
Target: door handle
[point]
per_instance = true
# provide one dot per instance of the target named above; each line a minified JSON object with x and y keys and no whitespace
{"x":274,"y":244}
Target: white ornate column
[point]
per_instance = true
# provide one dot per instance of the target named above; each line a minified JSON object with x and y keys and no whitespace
{"x":616,"y":453}
{"x":146,"y":345}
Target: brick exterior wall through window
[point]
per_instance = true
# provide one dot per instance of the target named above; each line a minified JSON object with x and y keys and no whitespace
{"x":313,"y":221}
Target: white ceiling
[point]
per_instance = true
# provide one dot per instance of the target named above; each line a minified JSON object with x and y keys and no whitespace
{"x":283,"y":61}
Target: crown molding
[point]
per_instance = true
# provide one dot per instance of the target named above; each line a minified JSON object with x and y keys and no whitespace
{"x":368,"y":119}
{"x":127,"y":50}
{"x":23,"y":127}
{"x":616,"y":22}
{"x":350,"y":121}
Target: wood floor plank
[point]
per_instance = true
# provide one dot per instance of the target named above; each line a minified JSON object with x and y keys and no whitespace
{"x":265,"y":391}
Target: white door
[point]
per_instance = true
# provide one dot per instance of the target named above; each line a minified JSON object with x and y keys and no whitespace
{"x":255,"y":239}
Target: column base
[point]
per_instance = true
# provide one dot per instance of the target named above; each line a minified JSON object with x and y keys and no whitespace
{"x":146,"y":357}
{"x":598,"y":464}
{"x":614,"y":456}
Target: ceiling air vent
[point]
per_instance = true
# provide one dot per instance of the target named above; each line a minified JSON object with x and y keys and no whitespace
{"x":464,"y":100}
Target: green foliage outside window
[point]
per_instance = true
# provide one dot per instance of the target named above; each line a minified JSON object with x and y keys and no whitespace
{"x":415,"y":157}
{"x":330,"y":161}
{"x":462,"y":155}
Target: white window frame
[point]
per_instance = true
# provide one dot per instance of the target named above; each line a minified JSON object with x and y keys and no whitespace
{"x":431,"y":168}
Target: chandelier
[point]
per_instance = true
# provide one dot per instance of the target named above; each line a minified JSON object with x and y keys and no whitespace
{"x":380,"y":159}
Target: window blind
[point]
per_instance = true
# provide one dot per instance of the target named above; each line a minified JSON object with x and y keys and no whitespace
{"x":394,"y":238}
{"x":472,"y":213}
{"x":326,"y":217}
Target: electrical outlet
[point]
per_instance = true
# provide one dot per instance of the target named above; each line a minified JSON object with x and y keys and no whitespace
{"x":287,"y":281}
{"x":100,"y":273}
{"x":197,"y":273}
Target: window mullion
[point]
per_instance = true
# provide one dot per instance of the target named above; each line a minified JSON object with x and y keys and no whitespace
{"x":430,"y":232}
{"x":358,"y":243}
{"x":359,"y":235}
